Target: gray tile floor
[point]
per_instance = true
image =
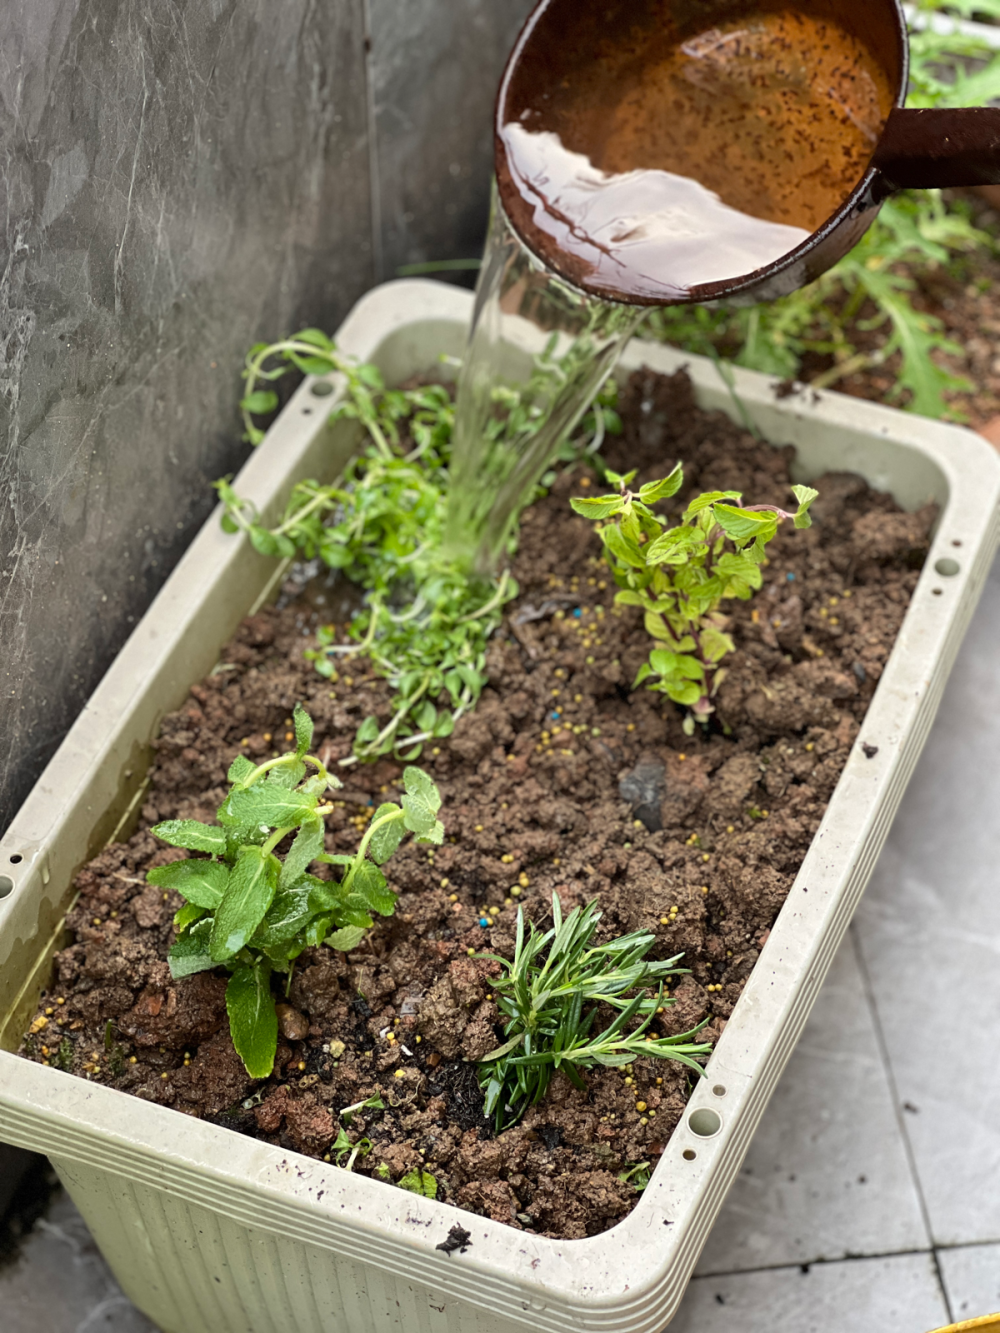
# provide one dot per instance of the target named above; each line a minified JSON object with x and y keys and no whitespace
{"x":870,"y":1198}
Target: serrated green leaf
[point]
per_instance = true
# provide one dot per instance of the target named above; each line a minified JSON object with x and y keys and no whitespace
{"x":743,"y":525}
{"x":805,"y":496}
{"x":701,"y":502}
{"x":268,"y":803}
{"x":240,"y":768}
{"x":597,"y":507}
{"x":386,"y":837}
{"x":187,"y":916}
{"x":715,"y":644}
{"x":199,"y":882}
{"x":253,"y":1021}
{"x":345,"y":939}
{"x":307,"y":846}
{"x":662,"y":490}
{"x":370,"y":884}
{"x":249,"y":894}
{"x":191,"y":834}
{"x":419,"y":1182}
{"x":621,"y":548}
{"x":290,"y":912}
{"x":435,"y":834}
{"x":303,"y":730}
{"x":190,"y":953}
{"x":422,"y":787}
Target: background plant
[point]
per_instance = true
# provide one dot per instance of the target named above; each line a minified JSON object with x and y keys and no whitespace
{"x":680,"y":574}
{"x":385,"y":524}
{"x":871,"y":288}
{"x":253,"y":910}
{"x":550,"y":993}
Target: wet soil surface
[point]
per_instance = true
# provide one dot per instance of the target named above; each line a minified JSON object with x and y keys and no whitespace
{"x":563,"y":780}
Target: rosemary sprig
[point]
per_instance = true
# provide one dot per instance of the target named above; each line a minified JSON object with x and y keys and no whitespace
{"x":542,"y":994}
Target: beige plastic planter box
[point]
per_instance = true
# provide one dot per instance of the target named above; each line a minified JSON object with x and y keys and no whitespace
{"x":211,"y":1232}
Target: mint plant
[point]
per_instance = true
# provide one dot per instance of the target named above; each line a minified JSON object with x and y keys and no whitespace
{"x":681,"y":574}
{"x":543,"y":993}
{"x":252,"y":910}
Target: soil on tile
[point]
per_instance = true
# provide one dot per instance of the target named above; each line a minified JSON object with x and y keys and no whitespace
{"x":562,"y":780}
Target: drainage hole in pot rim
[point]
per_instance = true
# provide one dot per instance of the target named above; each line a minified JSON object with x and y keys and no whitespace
{"x":6,"y":886}
{"x":307,"y":411}
{"x":689,"y":1154}
{"x":936,"y":592}
{"x":16,"y":859}
{"x":705,"y":1122}
{"x":321,"y":389}
{"x":947,"y":567}
{"x":719,"y":1090}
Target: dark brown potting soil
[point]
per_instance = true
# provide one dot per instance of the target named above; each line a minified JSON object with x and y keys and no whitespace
{"x":562,"y":780}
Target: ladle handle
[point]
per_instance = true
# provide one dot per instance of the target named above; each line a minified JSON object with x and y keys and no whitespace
{"x":933,"y":149}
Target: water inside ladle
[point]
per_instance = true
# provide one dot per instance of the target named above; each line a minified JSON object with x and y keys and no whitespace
{"x":634,"y":168}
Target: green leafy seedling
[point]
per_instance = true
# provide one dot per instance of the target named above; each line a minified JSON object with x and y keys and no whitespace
{"x":679,"y":574}
{"x":253,"y":911}
{"x":549,"y":994}
{"x":419,"y":1182}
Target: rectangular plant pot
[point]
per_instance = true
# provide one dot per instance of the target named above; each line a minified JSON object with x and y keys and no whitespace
{"x":212,"y":1232}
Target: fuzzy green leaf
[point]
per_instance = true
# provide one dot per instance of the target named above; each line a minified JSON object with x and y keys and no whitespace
{"x":240,"y":768}
{"x":370,"y":884}
{"x":622,"y":548}
{"x":421,"y":802}
{"x":743,"y":525}
{"x":701,"y":502}
{"x":387,"y":837}
{"x":191,"y":834}
{"x":253,"y":1021}
{"x":199,"y":882}
{"x":419,"y":1182}
{"x":308,"y":845}
{"x":597,"y":507}
{"x":715,"y":644}
{"x":187,"y":915}
{"x":248,"y":896}
{"x":190,"y":953}
{"x":662,"y":490}
{"x":289,"y":913}
{"x":303,"y":730}
{"x":805,"y":496}
{"x":345,"y":939}
{"x":268,"y":803}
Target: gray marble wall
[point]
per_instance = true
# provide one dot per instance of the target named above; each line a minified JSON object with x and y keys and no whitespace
{"x":179,"y":178}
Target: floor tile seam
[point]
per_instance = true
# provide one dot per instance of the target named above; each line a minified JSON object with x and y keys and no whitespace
{"x":946,"y":1247}
{"x":806,"y":1264}
{"x":902,"y":1127}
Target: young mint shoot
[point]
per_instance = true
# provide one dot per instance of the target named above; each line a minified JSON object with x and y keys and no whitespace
{"x":549,"y":993}
{"x":252,"y":910}
{"x":680,"y":574}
